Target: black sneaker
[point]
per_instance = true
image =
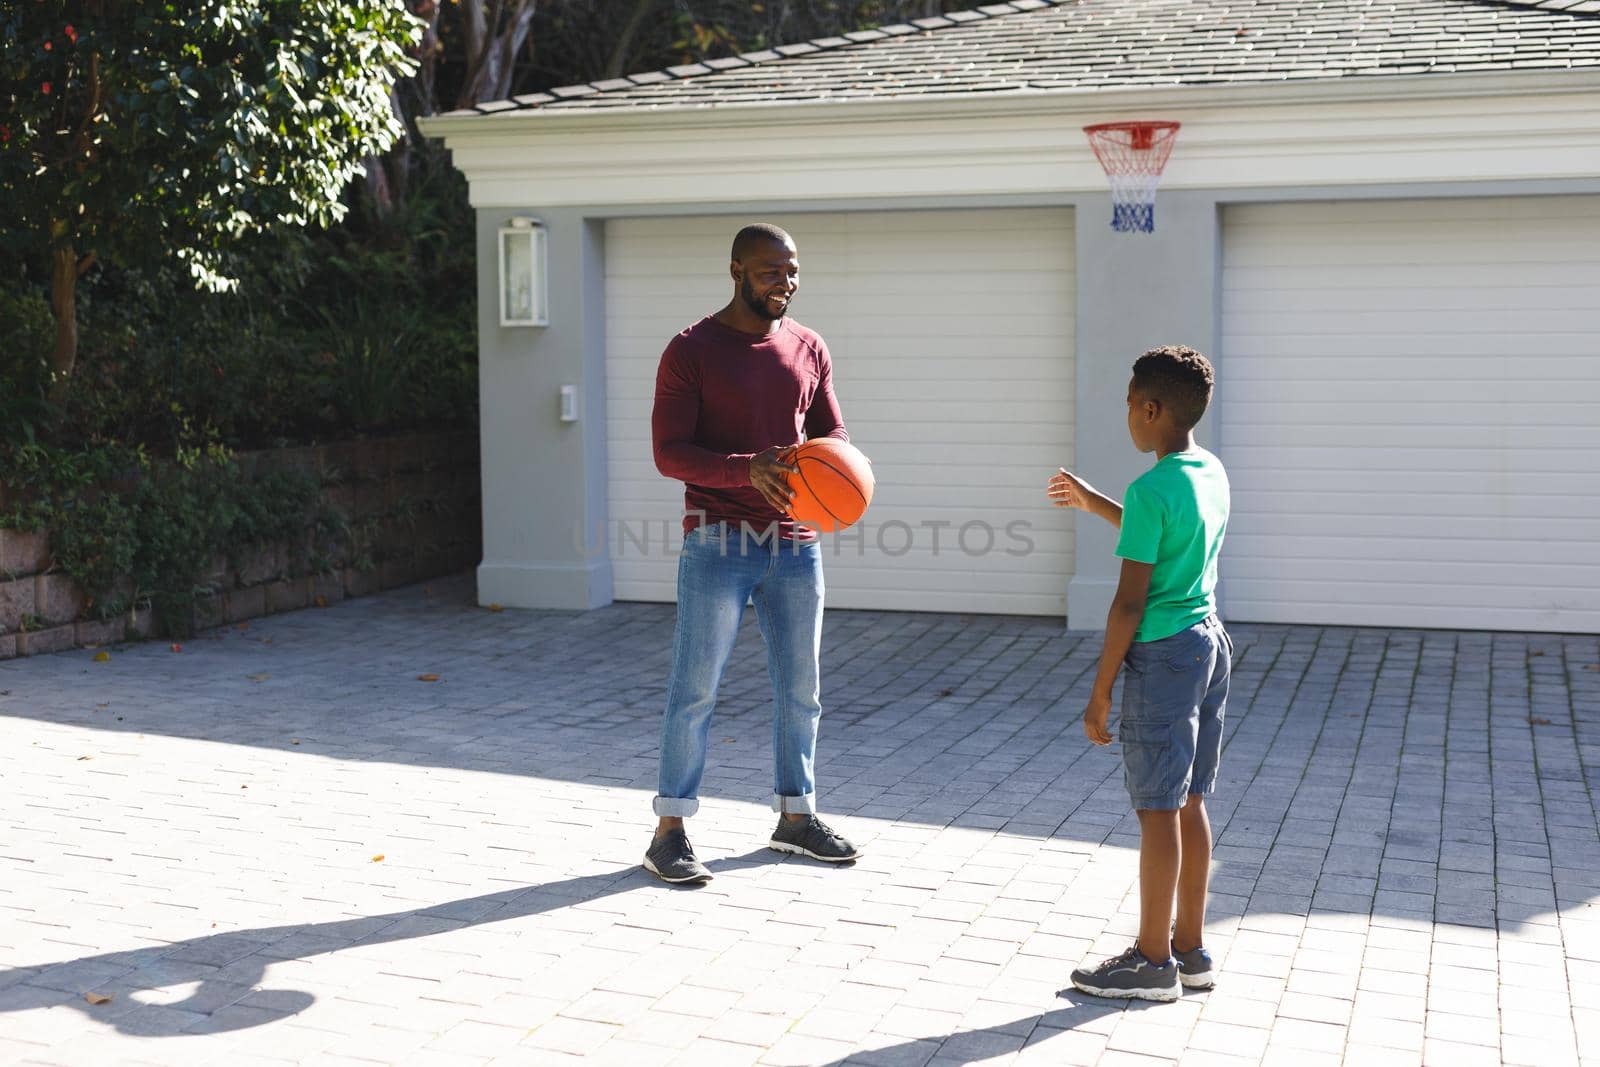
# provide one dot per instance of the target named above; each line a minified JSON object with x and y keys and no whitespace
{"x":1194,"y":968}
{"x":1130,"y":976}
{"x":671,"y":858}
{"x":812,"y":837}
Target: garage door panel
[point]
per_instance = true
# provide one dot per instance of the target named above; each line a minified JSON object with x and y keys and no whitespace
{"x":1398,"y":595}
{"x":1440,"y":421}
{"x":1554,"y":247}
{"x":948,"y":483}
{"x":920,"y":562}
{"x":903,"y":427}
{"x":1462,"y":574}
{"x":957,"y":441}
{"x":1524,"y":300}
{"x":1260,"y":282}
{"x":1521,"y":538}
{"x":923,"y":513}
{"x":933,"y":413}
{"x":1374,"y":434}
{"x":1575,"y":397}
{"x":1338,"y":322}
{"x":1285,"y":605}
{"x":1419,"y":461}
{"x":957,"y":343}
{"x":1407,"y":397}
{"x":1485,"y":502}
{"x":911,"y":305}
{"x":1346,"y":479}
{"x":899,"y":330}
{"x":960,"y":364}
{"x":963,"y":391}
{"x":1323,"y":546}
{"x":1563,"y":353}
{"x":1545,"y":238}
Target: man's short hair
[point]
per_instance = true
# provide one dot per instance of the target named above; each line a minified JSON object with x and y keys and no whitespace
{"x":1180,"y":378}
{"x":758,"y":233}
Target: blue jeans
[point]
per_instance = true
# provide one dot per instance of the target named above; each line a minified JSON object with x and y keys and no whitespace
{"x":1174,"y":697}
{"x":721,"y":568}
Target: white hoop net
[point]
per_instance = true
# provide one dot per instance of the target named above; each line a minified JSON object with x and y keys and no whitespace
{"x":1133,"y":155}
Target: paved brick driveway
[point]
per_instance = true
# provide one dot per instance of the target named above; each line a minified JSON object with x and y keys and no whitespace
{"x":1407,"y":856}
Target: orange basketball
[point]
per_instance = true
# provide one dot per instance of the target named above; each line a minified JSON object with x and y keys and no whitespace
{"x":833,"y":486}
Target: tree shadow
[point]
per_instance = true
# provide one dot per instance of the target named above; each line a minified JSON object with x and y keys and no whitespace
{"x":228,"y":967}
{"x":523,"y":688}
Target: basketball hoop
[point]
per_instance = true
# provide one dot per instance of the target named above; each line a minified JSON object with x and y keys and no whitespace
{"x":1133,"y":154}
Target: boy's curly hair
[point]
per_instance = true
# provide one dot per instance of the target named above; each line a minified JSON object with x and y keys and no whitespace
{"x":1180,"y":378}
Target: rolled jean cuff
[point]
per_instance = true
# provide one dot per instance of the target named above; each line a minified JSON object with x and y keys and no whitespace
{"x":801,"y":805}
{"x":676,"y":807}
{"x":1170,"y":802}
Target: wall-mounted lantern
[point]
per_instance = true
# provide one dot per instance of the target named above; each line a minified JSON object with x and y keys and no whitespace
{"x":524,"y":289}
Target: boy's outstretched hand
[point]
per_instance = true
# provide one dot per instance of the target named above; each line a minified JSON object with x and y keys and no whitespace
{"x":1067,"y":490}
{"x":1094,"y":719}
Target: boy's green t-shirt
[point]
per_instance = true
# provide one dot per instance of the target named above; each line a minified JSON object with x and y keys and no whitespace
{"x":1174,"y":516}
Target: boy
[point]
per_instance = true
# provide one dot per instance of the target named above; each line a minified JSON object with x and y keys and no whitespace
{"x":1163,"y":627}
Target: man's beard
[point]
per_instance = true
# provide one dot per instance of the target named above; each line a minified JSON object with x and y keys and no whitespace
{"x":757,"y":305}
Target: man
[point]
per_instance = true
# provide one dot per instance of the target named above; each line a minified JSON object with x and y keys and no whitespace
{"x":735,"y":393}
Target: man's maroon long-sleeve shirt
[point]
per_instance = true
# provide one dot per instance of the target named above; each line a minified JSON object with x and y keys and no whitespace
{"x":722,"y":396}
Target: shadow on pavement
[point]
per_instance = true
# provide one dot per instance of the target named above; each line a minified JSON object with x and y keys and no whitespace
{"x":229,"y":966}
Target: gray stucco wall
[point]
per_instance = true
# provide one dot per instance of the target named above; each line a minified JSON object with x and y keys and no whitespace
{"x":544,"y":481}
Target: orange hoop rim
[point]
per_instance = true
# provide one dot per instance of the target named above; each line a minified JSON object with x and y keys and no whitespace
{"x":1144,"y":134}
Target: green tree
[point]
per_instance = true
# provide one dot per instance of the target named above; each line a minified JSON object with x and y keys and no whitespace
{"x":131,"y":131}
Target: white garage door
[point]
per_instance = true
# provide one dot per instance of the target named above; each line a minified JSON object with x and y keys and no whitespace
{"x":1410,"y":410}
{"x":952,"y":342}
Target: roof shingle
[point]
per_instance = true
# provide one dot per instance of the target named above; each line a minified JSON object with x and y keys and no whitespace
{"x":1031,"y":46}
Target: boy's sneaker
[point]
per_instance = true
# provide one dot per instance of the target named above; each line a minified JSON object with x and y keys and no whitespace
{"x":812,"y":837}
{"x":1130,"y":976}
{"x":1194,"y":968}
{"x":671,"y":858}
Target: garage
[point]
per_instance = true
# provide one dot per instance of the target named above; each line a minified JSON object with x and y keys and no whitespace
{"x":1408,"y":411}
{"x":1388,"y":243}
{"x":952,"y":340}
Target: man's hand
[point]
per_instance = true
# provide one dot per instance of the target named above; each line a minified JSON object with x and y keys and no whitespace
{"x":1067,"y":490}
{"x":1094,"y":719}
{"x":769,"y":473}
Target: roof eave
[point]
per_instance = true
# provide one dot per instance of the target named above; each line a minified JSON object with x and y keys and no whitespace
{"x":1023,"y":102}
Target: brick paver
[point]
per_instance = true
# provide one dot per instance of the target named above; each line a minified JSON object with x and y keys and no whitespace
{"x":1407,"y":860}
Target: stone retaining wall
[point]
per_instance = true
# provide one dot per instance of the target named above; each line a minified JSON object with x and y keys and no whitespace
{"x":413,"y":510}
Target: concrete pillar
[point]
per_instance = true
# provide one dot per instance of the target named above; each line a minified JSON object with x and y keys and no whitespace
{"x":1135,"y":291}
